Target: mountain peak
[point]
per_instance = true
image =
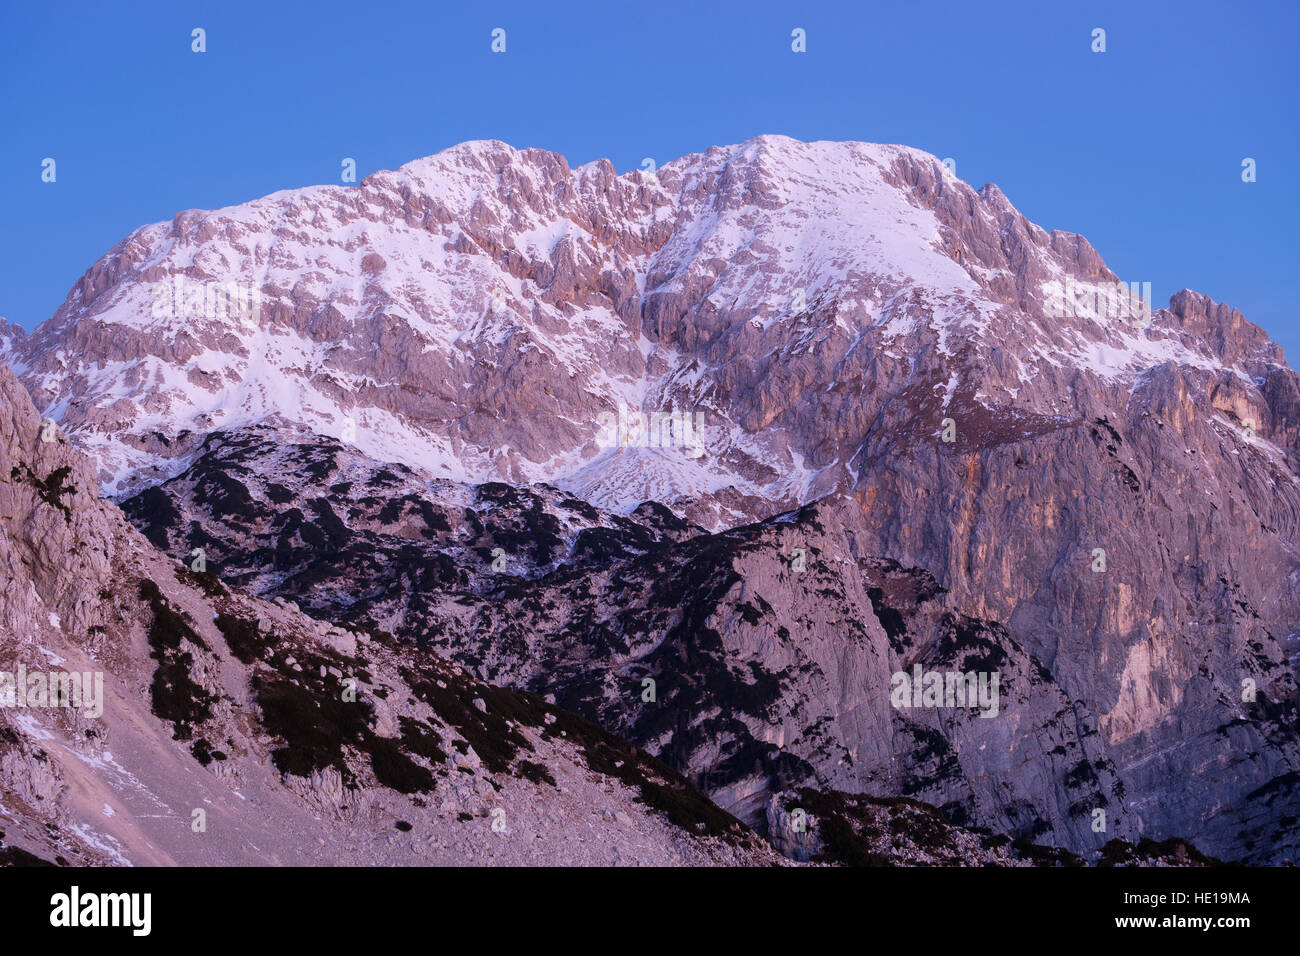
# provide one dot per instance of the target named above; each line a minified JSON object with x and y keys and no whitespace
{"x":485,"y":270}
{"x":846,"y":380}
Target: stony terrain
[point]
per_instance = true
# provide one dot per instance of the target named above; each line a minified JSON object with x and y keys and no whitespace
{"x":813,"y":825}
{"x":764,"y":677}
{"x":465,"y":411}
{"x":227,"y":734}
{"x":240,"y":708}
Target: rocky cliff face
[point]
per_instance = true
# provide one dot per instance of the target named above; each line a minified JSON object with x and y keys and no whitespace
{"x":985,"y":453}
{"x":754,"y":659}
{"x":230,"y":730}
{"x":209,"y":727}
{"x":474,"y":314}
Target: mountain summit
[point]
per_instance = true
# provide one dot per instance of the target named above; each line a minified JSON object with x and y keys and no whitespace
{"x":766,"y":427}
{"x":474,"y":314}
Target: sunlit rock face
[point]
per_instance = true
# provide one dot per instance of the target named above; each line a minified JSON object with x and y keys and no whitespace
{"x":435,"y":404}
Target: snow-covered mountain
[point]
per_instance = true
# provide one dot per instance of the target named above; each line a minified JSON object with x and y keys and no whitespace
{"x":227,"y":730}
{"x":476,"y":313}
{"x":1004,"y":454}
{"x":207,"y":727}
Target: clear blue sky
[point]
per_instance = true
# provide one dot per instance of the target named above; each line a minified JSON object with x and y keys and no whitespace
{"x":1138,"y":148}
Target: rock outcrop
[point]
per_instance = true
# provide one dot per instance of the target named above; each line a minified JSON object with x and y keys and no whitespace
{"x":833,"y":346}
{"x":207,"y":727}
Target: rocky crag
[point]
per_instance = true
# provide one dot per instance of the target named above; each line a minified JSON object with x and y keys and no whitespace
{"x":569,"y":429}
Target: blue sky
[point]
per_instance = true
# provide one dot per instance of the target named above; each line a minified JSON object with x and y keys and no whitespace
{"x":1138,"y":148}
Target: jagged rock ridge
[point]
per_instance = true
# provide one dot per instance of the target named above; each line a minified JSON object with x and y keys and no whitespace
{"x":835,"y":311}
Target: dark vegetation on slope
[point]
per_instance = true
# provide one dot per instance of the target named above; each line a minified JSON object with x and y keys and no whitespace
{"x":176,"y":697}
{"x":49,"y":489}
